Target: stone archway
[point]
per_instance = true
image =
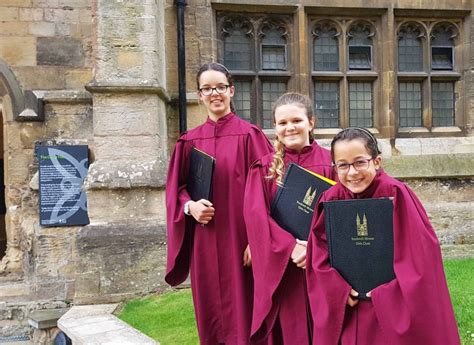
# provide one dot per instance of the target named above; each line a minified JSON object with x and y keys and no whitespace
{"x":3,"y":209}
{"x":12,"y":103}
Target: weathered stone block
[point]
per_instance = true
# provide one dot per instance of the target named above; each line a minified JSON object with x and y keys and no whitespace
{"x":68,"y":29}
{"x":87,"y":283}
{"x":42,"y":29}
{"x":128,"y":256}
{"x":31,"y":14}
{"x":17,"y":166}
{"x":75,"y":3}
{"x":133,"y":114}
{"x":40,"y":77}
{"x":17,"y":3}
{"x":147,"y":148}
{"x":13,"y":29}
{"x":65,"y":14}
{"x":46,"y":3}
{"x":121,"y":174}
{"x":69,"y":121}
{"x":8,"y":14}
{"x":50,"y":290}
{"x":77,"y":78}
{"x":18,"y":51}
{"x":132,"y":205}
{"x":60,"y":52}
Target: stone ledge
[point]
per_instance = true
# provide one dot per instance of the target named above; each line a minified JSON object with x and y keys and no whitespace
{"x":95,"y":324}
{"x":430,"y":166}
{"x":65,"y":96}
{"x":44,"y":319}
{"x":14,"y":290}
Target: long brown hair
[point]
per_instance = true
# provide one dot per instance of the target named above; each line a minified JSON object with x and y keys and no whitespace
{"x":277,"y":168}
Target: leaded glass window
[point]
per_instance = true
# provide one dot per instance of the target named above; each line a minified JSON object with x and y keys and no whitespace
{"x":442,"y":50}
{"x":273,"y":50}
{"x":360,"y":104}
{"x":326,"y":99}
{"x":325,"y":49}
{"x":360,"y":47}
{"x":442,"y":99}
{"x":242,"y":102}
{"x":237,"y":45}
{"x":270,"y":92}
{"x":411,"y":113}
{"x":410,"y":49}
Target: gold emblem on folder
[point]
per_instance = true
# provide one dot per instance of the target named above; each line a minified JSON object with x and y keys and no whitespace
{"x":362,"y":226}
{"x":309,"y":197}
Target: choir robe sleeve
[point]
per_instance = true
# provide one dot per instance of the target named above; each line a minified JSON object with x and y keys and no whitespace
{"x":257,"y":145}
{"x":270,"y":245}
{"x":179,"y":226}
{"x":327,"y":289}
{"x":415,"y":308}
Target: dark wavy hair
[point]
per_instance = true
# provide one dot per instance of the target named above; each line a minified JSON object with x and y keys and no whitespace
{"x":215,"y":66}
{"x":363,"y":134}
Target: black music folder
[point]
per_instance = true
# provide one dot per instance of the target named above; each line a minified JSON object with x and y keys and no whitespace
{"x":201,"y":171}
{"x":294,"y":202}
{"x":360,"y":241}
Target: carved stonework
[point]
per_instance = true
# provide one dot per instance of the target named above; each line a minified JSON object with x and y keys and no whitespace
{"x":325,"y":27}
{"x":411,"y":29}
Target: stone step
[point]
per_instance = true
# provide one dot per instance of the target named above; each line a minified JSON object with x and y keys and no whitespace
{"x":95,"y":324}
{"x":47,"y":318}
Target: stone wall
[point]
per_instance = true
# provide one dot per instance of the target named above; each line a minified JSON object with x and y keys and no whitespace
{"x":124,"y":53}
{"x":47,"y":45}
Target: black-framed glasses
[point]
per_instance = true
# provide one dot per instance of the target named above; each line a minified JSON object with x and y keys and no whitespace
{"x":207,"y":91}
{"x":359,"y":165}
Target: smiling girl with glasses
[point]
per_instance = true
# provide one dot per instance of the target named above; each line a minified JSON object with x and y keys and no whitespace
{"x":415,"y":307}
{"x":216,"y":253}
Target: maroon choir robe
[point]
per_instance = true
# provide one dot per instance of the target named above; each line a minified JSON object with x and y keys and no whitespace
{"x":221,"y":286}
{"x":414,"y":308}
{"x":280,"y":312}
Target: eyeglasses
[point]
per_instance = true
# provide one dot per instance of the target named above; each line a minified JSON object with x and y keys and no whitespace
{"x":359,"y":165}
{"x":207,"y":91}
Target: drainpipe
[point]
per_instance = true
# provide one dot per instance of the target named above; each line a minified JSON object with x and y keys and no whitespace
{"x":180,"y":4}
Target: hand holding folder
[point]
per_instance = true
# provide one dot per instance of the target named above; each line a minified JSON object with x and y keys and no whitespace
{"x":199,"y":185}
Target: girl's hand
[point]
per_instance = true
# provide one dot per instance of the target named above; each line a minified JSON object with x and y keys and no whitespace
{"x":247,"y":257}
{"x":202,"y":211}
{"x":299,"y":254}
{"x":352,"y":301}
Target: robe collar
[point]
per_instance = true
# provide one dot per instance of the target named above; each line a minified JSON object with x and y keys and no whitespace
{"x":222,"y":120}
{"x":308,"y":148}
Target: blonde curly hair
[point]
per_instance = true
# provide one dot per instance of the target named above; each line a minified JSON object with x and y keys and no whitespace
{"x":277,"y":167}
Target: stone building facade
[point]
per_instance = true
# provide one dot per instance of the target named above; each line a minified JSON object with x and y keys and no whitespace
{"x":104,"y":73}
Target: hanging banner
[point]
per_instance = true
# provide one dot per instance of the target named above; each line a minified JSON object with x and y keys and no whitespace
{"x":62,"y":170}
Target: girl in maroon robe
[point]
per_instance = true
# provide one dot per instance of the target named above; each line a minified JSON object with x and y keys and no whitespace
{"x":280,"y":313}
{"x":415,"y":307}
{"x":215,"y":251}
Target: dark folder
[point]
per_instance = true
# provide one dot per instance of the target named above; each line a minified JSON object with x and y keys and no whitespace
{"x":201,"y":170}
{"x":294,"y":202}
{"x":360,"y":241}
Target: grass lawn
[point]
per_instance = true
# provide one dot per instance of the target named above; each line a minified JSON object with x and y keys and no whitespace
{"x":461,"y":287}
{"x":169,"y":318}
